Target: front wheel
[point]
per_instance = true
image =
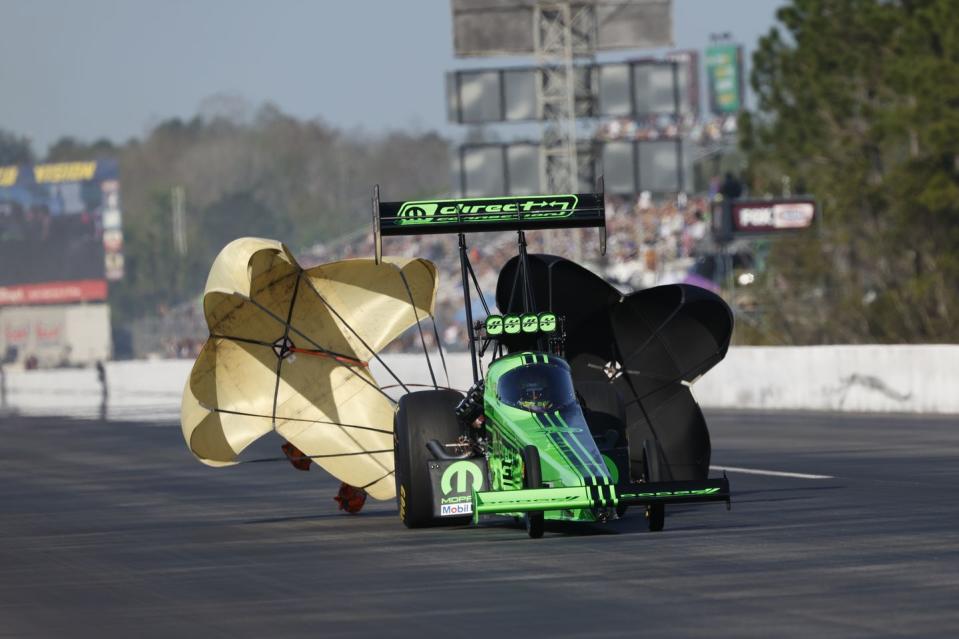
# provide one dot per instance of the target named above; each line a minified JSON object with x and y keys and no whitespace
{"x":533,"y":478}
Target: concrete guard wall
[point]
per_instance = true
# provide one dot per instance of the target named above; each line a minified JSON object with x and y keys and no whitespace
{"x":870,"y":378}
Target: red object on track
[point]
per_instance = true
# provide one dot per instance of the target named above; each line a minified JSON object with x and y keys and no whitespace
{"x":350,"y":498}
{"x":297,"y":458}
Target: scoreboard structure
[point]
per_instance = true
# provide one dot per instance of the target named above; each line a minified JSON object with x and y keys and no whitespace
{"x":61,"y":237}
{"x":61,"y":243}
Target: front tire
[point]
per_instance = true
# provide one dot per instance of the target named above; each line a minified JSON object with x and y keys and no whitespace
{"x":533,"y":478}
{"x":420,"y":417}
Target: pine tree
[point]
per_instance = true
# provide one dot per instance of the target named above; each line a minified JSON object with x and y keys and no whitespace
{"x":858,"y":101}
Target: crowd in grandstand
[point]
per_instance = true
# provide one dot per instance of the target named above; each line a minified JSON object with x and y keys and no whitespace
{"x":647,"y":244}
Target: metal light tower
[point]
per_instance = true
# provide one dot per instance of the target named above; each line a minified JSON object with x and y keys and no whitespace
{"x":563,"y":37}
{"x":561,"y":33}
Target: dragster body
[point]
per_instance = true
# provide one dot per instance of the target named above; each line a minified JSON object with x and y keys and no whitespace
{"x":580,"y":480}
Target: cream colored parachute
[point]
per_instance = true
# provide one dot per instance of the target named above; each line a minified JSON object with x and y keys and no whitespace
{"x":289,"y":350}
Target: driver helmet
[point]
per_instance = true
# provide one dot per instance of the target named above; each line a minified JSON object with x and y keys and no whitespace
{"x":533,"y":393}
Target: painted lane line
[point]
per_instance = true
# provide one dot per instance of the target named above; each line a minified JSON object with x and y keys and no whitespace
{"x":772,"y":473}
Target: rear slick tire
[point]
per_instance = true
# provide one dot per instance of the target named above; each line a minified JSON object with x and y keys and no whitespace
{"x":420,"y":417}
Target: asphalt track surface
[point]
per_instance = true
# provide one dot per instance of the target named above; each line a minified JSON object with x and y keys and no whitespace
{"x":113,"y":530}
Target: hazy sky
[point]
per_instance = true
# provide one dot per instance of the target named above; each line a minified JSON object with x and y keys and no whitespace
{"x":111,"y":68}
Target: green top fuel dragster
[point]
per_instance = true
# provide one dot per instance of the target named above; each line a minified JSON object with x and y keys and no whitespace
{"x":585,"y":409}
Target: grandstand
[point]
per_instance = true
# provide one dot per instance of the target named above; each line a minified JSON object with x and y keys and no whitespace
{"x":649,"y":243}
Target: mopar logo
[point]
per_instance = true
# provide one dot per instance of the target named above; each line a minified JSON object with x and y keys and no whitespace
{"x":417,"y":212}
{"x":462,"y":472}
{"x":496,"y":209}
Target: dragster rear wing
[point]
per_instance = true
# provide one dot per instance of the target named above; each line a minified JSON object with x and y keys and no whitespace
{"x":475,"y":215}
{"x":575,"y":497}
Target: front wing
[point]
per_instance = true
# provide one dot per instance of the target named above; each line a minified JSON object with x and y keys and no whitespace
{"x":576,"y":497}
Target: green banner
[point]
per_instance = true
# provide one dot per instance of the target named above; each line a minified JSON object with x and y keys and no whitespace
{"x":724,"y":71}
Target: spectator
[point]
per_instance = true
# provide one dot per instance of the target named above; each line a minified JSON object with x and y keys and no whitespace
{"x":731,"y":188}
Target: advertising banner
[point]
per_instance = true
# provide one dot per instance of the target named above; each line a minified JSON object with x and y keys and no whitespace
{"x":763,"y":217}
{"x":724,"y":72}
{"x":61,"y":235}
{"x":758,"y":216}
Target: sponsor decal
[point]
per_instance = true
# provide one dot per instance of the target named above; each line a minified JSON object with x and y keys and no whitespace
{"x":17,"y":335}
{"x":467,"y":475}
{"x":54,"y":292}
{"x":64,"y":172}
{"x":417,"y":212}
{"x":48,"y":333}
{"x":671,"y":493}
{"x":547,"y":322}
{"x":499,"y":500}
{"x":485,"y":210}
{"x":8,"y":175}
{"x":111,"y":219}
{"x":112,"y":240}
{"x":515,"y":324}
{"x":779,"y":216}
{"x":530,"y":323}
{"x":494,"y":325}
{"x":453,"y":510}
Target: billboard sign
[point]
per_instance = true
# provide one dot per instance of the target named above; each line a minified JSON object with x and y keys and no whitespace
{"x":484,"y":28}
{"x":61,"y":235}
{"x":724,"y":72}
{"x":766,"y":217}
{"x":637,"y":88}
{"x":760,"y":216}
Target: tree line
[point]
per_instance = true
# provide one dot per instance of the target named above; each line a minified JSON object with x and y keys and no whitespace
{"x":244,"y":171}
{"x":858,"y":103}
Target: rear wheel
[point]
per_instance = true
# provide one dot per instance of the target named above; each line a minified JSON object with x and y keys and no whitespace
{"x":653,"y":472}
{"x":420,"y":417}
{"x":533,"y":478}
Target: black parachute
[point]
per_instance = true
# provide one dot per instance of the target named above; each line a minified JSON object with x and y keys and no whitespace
{"x":647,"y":346}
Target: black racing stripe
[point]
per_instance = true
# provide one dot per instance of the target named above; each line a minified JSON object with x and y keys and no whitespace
{"x":597,"y":465}
{"x":613,"y":500}
{"x":561,"y":444}
{"x":597,"y":496}
{"x":564,"y":447}
{"x":570,"y":440}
